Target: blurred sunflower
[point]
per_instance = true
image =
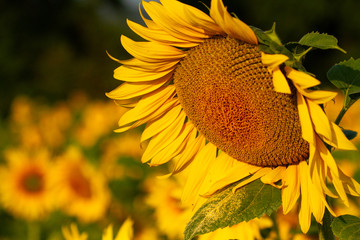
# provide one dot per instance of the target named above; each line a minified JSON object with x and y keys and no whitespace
{"x":81,"y":190}
{"x":26,"y":184}
{"x":125,"y":232}
{"x":227,"y":111}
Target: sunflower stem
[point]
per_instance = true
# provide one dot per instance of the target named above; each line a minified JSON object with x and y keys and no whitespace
{"x":325,"y":232}
{"x":33,"y":230}
{"x":340,"y":116}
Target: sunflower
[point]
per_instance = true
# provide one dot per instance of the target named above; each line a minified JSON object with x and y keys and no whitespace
{"x":25,"y":184}
{"x":217,"y":105}
{"x":81,"y":190}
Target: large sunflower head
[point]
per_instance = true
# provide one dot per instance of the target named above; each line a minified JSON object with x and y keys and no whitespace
{"x":225,"y":110}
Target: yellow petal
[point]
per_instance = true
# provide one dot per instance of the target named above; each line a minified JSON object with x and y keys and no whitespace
{"x":317,"y":96}
{"x":339,"y":140}
{"x":194,"y":145}
{"x":305,"y":211}
{"x":108,"y":233}
{"x":132,"y":90}
{"x":305,"y":120}
{"x":232,"y":26}
{"x":127,"y":74}
{"x":174,"y":148}
{"x":178,"y":11}
{"x":327,"y":157}
{"x":319,"y":119}
{"x":281,"y":85}
{"x":126,"y":231}
{"x":302,"y":79}
{"x":164,"y":138}
{"x":273,"y":60}
{"x":340,"y":189}
{"x":159,"y":35}
{"x":197,"y":170}
{"x":169,"y":104}
{"x":158,"y":125}
{"x":274,"y":176}
{"x":165,"y":20}
{"x":238,"y":172}
{"x":258,"y":174}
{"x":137,"y":64}
{"x":147,"y":105}
{"x":291,"y":190}
{"x":151,"y":51}
{"x":351,"y":186}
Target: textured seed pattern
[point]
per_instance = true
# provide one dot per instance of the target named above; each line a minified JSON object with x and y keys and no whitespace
{"x":227,"y":93}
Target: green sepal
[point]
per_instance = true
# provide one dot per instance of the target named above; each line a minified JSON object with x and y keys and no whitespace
{"x":346,"y":77}
{"x":321,"y":41}
{"x":350,"y":134}
{"x":227,"y":208}
{"x":346,"y":227}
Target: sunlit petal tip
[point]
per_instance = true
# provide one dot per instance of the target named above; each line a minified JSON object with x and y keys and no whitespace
{"x":300,"y":78}
{"x":232,"y":26}
{"x":273,"y":60}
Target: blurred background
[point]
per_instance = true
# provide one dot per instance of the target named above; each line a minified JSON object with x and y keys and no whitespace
{"x":54,"y":72}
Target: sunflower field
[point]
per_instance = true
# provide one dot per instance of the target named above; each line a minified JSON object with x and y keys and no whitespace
{"x":179,"y":119}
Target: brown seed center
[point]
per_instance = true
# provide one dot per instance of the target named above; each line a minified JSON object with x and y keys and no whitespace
{"x":227,"y":93}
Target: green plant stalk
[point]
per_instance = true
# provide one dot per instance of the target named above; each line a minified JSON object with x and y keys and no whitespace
{"x":33,"y":230}
{"x":325,"y":231}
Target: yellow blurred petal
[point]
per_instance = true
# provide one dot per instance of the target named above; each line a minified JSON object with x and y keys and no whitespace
{"x":174,"y":148}
{"x":147,"y":105}
{"x":127,"y":74}
{"x":305,"y":211}
{"x":108,"y":233}
{"x":196,"y":173}
{"x":137,"y":89}
{"x":72,"y":233}
{"x":151,"y":51}
{"x":126,"y":231}
{"x":273,"y":60}
{"x":291,"y":190}
{"x":232,"y":26}
{"x":281,"y":85}
{"x":306,"y":124}
{"x":164,"y":138}
{"x":158,"y":125}
{"x":302,"y":79}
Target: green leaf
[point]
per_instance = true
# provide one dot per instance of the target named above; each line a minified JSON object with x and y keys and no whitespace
{"x":346,"y":227}
{"x":321,"y":41}
{"x":227,"y":208}
{"x":346,"y":76}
